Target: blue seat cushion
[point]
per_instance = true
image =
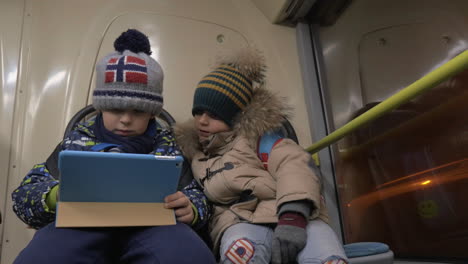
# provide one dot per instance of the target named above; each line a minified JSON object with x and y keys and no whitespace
{"x":362,"y":249}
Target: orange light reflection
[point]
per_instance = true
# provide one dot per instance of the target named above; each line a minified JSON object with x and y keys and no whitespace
{"x":426,"y":182}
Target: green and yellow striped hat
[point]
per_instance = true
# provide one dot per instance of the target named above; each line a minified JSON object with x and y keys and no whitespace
{"x":228,"y":89}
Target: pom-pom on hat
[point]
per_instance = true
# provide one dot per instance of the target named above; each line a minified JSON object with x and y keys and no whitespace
{"x":228,"y":89}
{"x":129,"y":78}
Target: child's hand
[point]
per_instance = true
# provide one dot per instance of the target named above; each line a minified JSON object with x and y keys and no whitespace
{"x":182,"y":206}
{"x":289,"y":239}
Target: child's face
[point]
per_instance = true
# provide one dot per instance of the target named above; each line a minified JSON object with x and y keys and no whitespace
{"x":126,"y":123}
{"x":208,"y":124}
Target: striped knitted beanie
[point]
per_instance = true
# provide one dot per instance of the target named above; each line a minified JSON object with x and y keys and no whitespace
{"x":129,"y":78}
{"x":228,"y":89}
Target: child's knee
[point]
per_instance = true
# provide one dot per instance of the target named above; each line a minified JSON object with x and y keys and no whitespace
{"x":330,"y":260}
{"x":335,"y":260}
{"x":322,"y":259}
{"x":244,"y":250}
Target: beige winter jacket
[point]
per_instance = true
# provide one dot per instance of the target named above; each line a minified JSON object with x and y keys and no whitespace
{"x":233,"y":177}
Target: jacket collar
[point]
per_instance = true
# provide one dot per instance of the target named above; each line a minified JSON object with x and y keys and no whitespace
{"x":218,"y":143}
{"x":87,"y":127}
{"x":265,"y":112}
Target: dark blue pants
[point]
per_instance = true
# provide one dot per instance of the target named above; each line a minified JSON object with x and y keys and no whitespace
{"x":136,"y":245}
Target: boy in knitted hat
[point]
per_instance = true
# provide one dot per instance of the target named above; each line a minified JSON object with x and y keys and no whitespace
{"x":262,"y":214}
{"x":128,"y":95}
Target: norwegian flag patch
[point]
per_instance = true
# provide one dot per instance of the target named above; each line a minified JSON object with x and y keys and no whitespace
{"x":240,"y":252}
{"x":129,"y":69}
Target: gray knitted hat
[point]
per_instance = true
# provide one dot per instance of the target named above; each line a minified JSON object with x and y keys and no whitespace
{"x":129,"y":78}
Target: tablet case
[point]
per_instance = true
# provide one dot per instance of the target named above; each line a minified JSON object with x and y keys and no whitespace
{"x":103,"y":189}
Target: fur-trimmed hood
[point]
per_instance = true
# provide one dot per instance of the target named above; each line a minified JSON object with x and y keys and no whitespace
{"x":265,"y":112}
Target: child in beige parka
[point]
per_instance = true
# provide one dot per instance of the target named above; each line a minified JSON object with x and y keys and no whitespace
{"x":261,"y":215}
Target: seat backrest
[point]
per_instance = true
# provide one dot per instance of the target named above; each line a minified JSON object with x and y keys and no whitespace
{"x":164,"y":119}
{"x":358,"y":253}
{"x":288,"y":131}
{"x":268,"y":140}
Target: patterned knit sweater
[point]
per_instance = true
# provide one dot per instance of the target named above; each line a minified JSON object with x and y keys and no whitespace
{"x":29,"y":199}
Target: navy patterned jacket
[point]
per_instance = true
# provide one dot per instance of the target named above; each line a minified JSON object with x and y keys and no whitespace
{"x":29,"y":199}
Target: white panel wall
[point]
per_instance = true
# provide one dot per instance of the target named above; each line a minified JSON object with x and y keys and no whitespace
{"x":60,"y":41}
{"x":11,"y":16}
{"x":387,"y":28}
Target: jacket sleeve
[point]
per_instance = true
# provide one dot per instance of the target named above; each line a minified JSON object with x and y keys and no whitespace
{"x":202,"y":207}
{"x":190,"y":187}
{"x":166,"y":145}
{"x":29,"y":199}
{"x":296,"y":177}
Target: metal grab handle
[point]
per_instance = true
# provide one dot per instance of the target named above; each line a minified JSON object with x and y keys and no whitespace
{"x":430,"y":80}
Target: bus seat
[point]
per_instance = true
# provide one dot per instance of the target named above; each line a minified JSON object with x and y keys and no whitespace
{"x":368,"y":253}
{"x":359,"y":252}
{"x":288,"y":131}
{"x":165,"y":120}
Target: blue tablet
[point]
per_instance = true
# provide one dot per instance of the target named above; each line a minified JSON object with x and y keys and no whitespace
{"x":102,"y":189}
{"x":87,"y":176}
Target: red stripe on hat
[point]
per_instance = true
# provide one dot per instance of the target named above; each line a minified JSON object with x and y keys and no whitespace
{"x":135,"y":77}
{"x":135,"y":60}
{"x":110,"y":76}
{"x":113,"y":61}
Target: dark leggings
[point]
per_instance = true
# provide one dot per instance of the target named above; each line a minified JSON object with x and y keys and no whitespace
{"x":136,"y":245}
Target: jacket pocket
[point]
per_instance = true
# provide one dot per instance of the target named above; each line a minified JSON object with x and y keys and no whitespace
{"x":245,"y":210}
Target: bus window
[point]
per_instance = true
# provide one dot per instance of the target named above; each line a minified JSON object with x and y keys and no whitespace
{"x":403,"y":177}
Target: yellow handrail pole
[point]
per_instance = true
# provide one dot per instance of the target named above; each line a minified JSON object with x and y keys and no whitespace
{"x":430,"y":80}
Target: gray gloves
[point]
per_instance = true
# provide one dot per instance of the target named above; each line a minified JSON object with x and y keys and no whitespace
{"x":288,"y":241}
{"x":290,"y":235}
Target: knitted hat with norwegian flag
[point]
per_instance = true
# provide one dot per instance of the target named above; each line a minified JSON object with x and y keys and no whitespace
{"x":129,"y":79}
